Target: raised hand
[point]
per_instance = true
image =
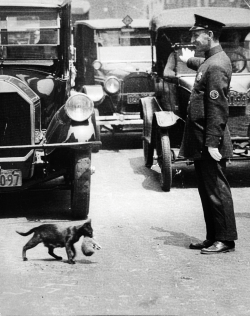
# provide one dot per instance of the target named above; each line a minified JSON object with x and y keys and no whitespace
{"x":186,"y":54}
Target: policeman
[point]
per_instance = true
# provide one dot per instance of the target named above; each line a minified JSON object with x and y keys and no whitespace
{"x":206,"y":138}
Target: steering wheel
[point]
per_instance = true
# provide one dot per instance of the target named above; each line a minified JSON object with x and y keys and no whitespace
{"x":235,"y":57}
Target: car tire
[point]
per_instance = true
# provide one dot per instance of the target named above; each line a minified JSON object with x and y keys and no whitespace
{"x":97,"y":127}
{"x":80,"y":184}
{"x":148,"y":151}
{"x":97,"y":130}
{"x":166,"y":163}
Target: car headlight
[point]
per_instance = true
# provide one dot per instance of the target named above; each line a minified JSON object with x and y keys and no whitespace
{"x":112,"y":85}
{"x":97,"y":64}
{"x":79,"y":107}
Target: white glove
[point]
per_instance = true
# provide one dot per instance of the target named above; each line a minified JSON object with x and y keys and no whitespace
{"x":215,"y":154}
{"x":186,"y":54}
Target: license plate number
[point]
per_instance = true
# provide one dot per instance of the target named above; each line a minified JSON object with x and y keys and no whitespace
{"x":133,"y":98}
{"x":10,"y":178}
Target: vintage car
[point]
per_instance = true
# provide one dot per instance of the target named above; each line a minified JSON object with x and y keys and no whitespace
{"x":164,"y":114}
{"x":47,"y":131}
{"x":113,"y":62}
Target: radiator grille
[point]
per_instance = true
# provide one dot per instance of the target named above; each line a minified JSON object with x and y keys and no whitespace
{"x":136,"y":83}
{"x":15,"y":124}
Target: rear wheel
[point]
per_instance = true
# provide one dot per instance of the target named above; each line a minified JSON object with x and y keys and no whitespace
{"x":80,"y":185}
{"x":165,"y":162}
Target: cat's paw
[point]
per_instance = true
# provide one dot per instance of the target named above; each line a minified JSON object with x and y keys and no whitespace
{"x":58,"y":258}
{"x":71,"y":261}
{"x":96,"y":246}
{"x":25,"y":259}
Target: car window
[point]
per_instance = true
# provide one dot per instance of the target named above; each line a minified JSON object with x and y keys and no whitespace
{"x":19,"y":31}
{"x":236,"y":44}
{"x":123,"y":37}
{"x":134,"y":53}
{"x":122,"y":45}
{"x":174,"y":64}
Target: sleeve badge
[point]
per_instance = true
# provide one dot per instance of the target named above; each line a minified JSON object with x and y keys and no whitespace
{"x":214,"y":94}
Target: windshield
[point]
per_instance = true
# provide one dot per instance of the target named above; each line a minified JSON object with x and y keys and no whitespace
{"x":29,"y":34}
{"x":235,"y":43}
{"x":124,"y":45}
{"x":237,"y":46}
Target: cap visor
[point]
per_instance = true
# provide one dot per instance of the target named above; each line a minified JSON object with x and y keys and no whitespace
{"x":196,"y":28}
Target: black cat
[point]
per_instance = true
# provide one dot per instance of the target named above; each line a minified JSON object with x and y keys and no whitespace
{"x":53,"y":236}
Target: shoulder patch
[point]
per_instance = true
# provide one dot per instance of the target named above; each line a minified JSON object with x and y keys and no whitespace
{"x":214,"y":94}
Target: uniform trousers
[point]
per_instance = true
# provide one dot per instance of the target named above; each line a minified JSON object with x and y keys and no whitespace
{"x":216,"y":199}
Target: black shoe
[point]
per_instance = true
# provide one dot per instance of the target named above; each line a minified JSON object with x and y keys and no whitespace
{"x":219,"y":247}
{"x":200,"y":245}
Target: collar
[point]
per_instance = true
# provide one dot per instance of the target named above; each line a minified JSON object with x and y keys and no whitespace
{"x":216,"y":49}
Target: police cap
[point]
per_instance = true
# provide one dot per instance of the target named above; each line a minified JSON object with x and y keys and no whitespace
{"x":203,"y":23}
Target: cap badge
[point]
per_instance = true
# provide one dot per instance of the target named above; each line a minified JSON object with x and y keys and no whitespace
{"x":214,"y":94}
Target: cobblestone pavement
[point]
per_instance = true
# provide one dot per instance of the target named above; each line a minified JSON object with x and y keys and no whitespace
{"x":144,"y":266}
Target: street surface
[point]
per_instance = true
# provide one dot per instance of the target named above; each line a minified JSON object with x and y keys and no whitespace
{"x":144,"y":266}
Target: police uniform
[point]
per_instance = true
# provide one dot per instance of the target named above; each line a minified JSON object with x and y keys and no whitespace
{"x":206,"y":126}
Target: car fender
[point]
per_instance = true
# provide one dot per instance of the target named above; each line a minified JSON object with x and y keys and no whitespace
{"x":81,"y":132}
{"x":166,"y":119}
{"x":62,"y":129}
{"x":96,"y":93}
{"x":149,"y":105}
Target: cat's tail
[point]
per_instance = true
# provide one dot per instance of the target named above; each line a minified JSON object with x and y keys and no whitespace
{"x":28,"y":233}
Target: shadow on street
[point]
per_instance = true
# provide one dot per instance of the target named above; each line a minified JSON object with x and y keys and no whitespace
{"x":121,"y":141}
{"x":55,"y":204}
{"x":183,"y":176}
{"x":36,"y":205}
{"x":175,"y":238}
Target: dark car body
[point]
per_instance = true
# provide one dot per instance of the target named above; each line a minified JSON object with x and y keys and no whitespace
{"x":46,"y":129}
{"x":164,"y":115}
{"x":113,"y":61}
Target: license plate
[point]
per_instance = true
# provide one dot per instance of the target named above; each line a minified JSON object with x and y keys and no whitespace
{"x":133,"y":98}
{"x":10,"y":178}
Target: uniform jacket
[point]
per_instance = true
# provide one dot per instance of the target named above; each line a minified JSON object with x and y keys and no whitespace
{"x":207,"y":113}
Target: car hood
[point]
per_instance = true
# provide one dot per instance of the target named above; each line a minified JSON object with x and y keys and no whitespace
{"x":42,"y":83}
